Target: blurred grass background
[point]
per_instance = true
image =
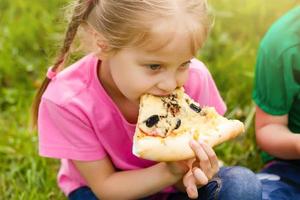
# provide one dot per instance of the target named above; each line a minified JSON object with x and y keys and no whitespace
{"x":29,"y":34}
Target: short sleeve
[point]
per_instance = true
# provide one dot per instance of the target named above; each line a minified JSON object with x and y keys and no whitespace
{"x":275,"y":86}
{"x":62,"y":134}
{"x":202,"y":88}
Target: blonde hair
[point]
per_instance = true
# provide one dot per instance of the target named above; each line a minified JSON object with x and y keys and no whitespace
{"x":126,"y":23}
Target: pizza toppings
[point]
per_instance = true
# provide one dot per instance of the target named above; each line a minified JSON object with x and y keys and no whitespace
{"x":160,"y":125}
{"x":172,"y":113}
{"x":151,"y":121}
{"x":171,"y":103}
{"x":196,"y":108}
{"x":167,"y":124}
{"x":178,"y":124}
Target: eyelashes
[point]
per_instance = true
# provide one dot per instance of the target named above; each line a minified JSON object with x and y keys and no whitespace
{"x":156,"y":67}
{"x":186,"y":64}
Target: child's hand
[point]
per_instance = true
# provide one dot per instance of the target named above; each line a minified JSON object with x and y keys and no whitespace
{"x":178,"y":168}
{"x":204,"y":167}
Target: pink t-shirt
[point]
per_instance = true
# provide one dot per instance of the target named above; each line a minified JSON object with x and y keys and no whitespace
{"x":78,"y":120}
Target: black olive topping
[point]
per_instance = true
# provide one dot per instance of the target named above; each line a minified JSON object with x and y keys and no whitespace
{"x":195,"y":108}
{"x":178,"y":124}
{"x":188,"y":101}
{"x":151,"y":121}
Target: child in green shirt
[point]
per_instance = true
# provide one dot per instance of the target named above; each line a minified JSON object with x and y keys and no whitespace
{"x":277,"y":95}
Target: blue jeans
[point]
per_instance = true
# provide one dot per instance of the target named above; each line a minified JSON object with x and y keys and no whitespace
{"x":234,"y":183}
{"x":281,"y":180}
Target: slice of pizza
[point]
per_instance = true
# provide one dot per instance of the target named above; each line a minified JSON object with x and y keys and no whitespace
{"x":167,"y":124}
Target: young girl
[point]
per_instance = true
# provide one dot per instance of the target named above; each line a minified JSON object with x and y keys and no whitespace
{"x":86,"y":113}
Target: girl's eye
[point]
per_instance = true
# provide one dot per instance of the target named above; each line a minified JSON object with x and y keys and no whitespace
{"x":154,"y":66}
{"x":185,"y":65}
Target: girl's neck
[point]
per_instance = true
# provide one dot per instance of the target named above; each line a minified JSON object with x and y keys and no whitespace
{"x":107,"y":82}
{"x":128,"y":108}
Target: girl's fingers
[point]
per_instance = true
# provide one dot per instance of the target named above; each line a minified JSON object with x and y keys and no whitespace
{"x":192,"y":192}
{"x":188,"y":179}
{"x":189,"y":182}
{"x":200,"y":176}
{"x":201,"y":155}
{"x":212,"y":157}
{"x":206,"y":157}
{"x":199,"y":151}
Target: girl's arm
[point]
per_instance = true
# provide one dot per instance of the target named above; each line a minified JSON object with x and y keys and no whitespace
{"x":106,"y":183}
{"x":274,"y":137}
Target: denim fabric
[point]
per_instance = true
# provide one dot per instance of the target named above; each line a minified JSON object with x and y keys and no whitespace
{"x":82,"y":193}
{"x":281,"y":180}
{"x":231,"y":183}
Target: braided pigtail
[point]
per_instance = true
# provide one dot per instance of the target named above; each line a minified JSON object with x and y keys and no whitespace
{"x":80,"y":14}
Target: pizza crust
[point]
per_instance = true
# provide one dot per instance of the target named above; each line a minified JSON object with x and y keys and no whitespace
{"x":167,"y":124}
{"x":174,"y":148}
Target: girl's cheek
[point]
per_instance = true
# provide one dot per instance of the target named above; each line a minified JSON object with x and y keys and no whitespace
{"x":182,"y":78}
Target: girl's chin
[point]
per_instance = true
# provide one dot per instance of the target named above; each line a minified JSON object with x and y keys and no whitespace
{"x":134,"y":100}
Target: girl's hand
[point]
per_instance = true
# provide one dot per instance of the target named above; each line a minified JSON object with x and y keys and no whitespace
{"x":178,"y":168}
{"x":204,"y":167}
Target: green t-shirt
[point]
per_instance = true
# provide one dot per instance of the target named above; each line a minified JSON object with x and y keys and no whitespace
{"x":277,"y":83}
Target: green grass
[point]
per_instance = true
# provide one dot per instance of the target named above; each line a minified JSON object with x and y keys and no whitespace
{"x":28,"y":38}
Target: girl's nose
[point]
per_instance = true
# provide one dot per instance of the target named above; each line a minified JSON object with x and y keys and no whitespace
{"x":168,"y":84}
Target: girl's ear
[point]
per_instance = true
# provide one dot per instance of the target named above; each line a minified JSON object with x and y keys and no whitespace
{"x":100,"y":43}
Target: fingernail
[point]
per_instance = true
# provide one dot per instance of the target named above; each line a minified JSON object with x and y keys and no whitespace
{"x":193,"y":192}
{"x":191,"y":189}
{"x":193,"y":142}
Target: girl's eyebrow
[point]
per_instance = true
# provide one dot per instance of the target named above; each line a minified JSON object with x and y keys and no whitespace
{"x":151,"y":60}
{"x":154,"y":61}
{"x":162,"y":62}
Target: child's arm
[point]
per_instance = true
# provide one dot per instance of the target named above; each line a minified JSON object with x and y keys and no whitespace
{"x":107,"y":183}
{"x":274,"y":137}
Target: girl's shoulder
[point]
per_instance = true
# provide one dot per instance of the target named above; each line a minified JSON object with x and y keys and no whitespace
{"x":77,"y":93}
{"x":75,"y":81}
{"x":199,"y":75}
{"x":202,"y":87}
{"x":198,"y":71}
